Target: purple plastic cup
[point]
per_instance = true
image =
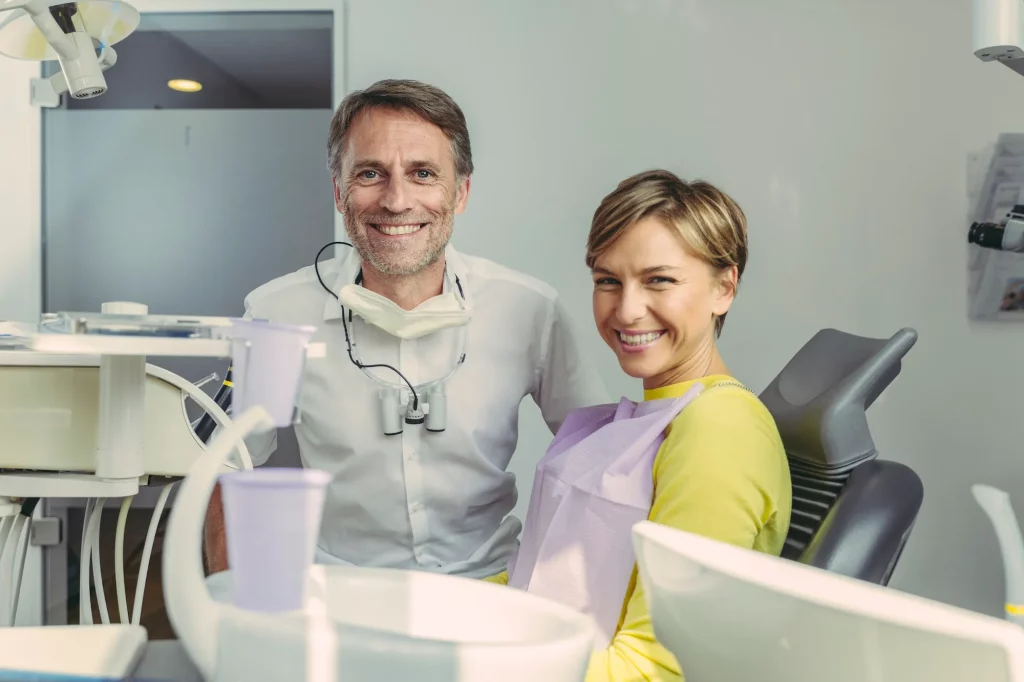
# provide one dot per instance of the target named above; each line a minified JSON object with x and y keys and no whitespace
{"x":272,"y":521}
{"x":267,"y":361}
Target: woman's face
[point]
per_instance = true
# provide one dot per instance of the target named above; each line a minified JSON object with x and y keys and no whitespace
{"x":655,"y":302}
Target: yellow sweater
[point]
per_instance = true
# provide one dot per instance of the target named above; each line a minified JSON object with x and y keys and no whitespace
{"x":722,"y":473}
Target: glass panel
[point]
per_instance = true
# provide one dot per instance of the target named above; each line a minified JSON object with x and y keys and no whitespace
{"x":268,"y":60}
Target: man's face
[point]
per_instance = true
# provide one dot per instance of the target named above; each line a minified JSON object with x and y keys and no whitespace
{"x":397,"y":190}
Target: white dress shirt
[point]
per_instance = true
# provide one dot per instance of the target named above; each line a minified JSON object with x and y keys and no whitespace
{"x":431,"y":501}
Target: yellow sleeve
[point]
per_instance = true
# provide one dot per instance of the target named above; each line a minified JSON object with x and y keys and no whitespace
{"x":719,"y":473}
{"x":501,"y":578}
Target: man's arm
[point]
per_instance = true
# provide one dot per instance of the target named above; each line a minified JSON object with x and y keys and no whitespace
{"x":215,"y":541}
{"x":215,"y":544}
{"x":567,"y":380}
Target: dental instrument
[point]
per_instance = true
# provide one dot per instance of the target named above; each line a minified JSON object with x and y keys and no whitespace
{"x":83,"y":415}
{"x":48,"y":449}
{"x":79,"y":35}
{"x":1006,"y":235}
{"x":427,"y":402}
{"x":999,"y":510}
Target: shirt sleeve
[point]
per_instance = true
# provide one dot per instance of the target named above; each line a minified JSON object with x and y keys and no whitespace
{"x":566,"y":379}
{"x":500,"y":579}
{"x":717,"y":474}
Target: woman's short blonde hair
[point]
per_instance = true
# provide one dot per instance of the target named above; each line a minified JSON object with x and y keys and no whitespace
{"x":710,"y":223}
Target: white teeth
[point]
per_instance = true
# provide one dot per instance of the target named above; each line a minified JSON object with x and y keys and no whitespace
{"x":398,"y":229}
{"x":639,"y":339}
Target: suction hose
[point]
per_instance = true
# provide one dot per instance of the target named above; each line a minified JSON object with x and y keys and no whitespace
{"x":996,"y":504}
{"x":193,"y":614}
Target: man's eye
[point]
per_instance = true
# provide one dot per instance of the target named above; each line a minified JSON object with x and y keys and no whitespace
{"x":424,"y":174}
{"x":368,"y":175}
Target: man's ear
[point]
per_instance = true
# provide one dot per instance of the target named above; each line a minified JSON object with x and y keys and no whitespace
{"x":339,"y":202}
{"x":462,"y":194}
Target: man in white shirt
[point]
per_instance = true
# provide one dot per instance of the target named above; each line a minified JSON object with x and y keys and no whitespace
{"x":422,"y":497}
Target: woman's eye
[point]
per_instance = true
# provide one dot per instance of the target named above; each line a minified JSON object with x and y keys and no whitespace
{"x":605,"y":281}
{"x":662,"y":280}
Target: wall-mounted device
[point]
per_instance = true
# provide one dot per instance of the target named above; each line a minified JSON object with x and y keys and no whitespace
{"x":999,"y":32}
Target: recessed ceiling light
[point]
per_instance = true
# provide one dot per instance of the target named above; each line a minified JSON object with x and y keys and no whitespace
{"x":184,"y":85}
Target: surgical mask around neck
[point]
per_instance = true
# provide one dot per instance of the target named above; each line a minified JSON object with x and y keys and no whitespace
{"x":434,"y":314}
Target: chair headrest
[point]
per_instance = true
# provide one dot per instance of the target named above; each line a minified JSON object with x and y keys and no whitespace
{"x":820,"y":398}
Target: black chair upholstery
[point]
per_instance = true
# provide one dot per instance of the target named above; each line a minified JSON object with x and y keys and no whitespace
{"x":852,"y":512}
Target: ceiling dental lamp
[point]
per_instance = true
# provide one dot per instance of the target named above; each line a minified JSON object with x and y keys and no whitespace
{"x":79,"y":35}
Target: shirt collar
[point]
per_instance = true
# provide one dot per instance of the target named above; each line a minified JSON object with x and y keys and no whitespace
{"x":679,"y":390}
{"x":349,"y":264}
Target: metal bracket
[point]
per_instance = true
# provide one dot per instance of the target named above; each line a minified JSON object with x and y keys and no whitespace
{"x":46,"y":532}
{"x":42,"y":94}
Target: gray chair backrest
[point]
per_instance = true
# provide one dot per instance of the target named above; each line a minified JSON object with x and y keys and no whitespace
{"x":852,"y":513}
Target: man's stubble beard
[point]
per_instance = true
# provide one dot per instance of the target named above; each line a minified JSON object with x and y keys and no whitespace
{"x":439,"y":233}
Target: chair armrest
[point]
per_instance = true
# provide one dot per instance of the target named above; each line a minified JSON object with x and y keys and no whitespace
{"x":865,"y":531}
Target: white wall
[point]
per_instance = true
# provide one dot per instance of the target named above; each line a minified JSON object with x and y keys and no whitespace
{"x":20,"y":194}
{"x":841,"y":127}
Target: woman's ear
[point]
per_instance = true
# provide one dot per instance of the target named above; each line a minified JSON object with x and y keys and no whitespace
{"x":726,"y":285}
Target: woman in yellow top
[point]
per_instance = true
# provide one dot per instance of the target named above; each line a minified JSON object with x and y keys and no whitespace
{"x":666,"y":258}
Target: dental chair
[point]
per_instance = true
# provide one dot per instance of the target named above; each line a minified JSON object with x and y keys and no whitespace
{"x":852,"y":512}
{"x":730,"y":614}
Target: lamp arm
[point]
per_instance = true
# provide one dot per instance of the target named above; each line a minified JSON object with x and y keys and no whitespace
{"x":39,"y":10}
{"x":15,"y":4}
{"x":190,"y":608}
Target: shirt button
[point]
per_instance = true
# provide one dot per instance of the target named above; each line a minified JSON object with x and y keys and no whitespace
{"x":417,"y":508}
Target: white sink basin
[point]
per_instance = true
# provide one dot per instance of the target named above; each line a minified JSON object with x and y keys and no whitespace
{"x":381,"y":624}
{"x":358,"y":624}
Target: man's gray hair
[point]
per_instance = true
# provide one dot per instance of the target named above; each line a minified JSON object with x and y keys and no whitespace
{"x":425,"y":101}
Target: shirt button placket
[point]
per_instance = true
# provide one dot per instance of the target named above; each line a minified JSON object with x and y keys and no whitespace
{"x":410,"y":456}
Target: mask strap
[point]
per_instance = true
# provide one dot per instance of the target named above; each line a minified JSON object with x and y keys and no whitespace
{"x":358,"y":282}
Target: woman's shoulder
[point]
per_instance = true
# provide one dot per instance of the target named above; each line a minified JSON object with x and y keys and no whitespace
{"x":729,"y":398}
{"x":726,"y":411}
